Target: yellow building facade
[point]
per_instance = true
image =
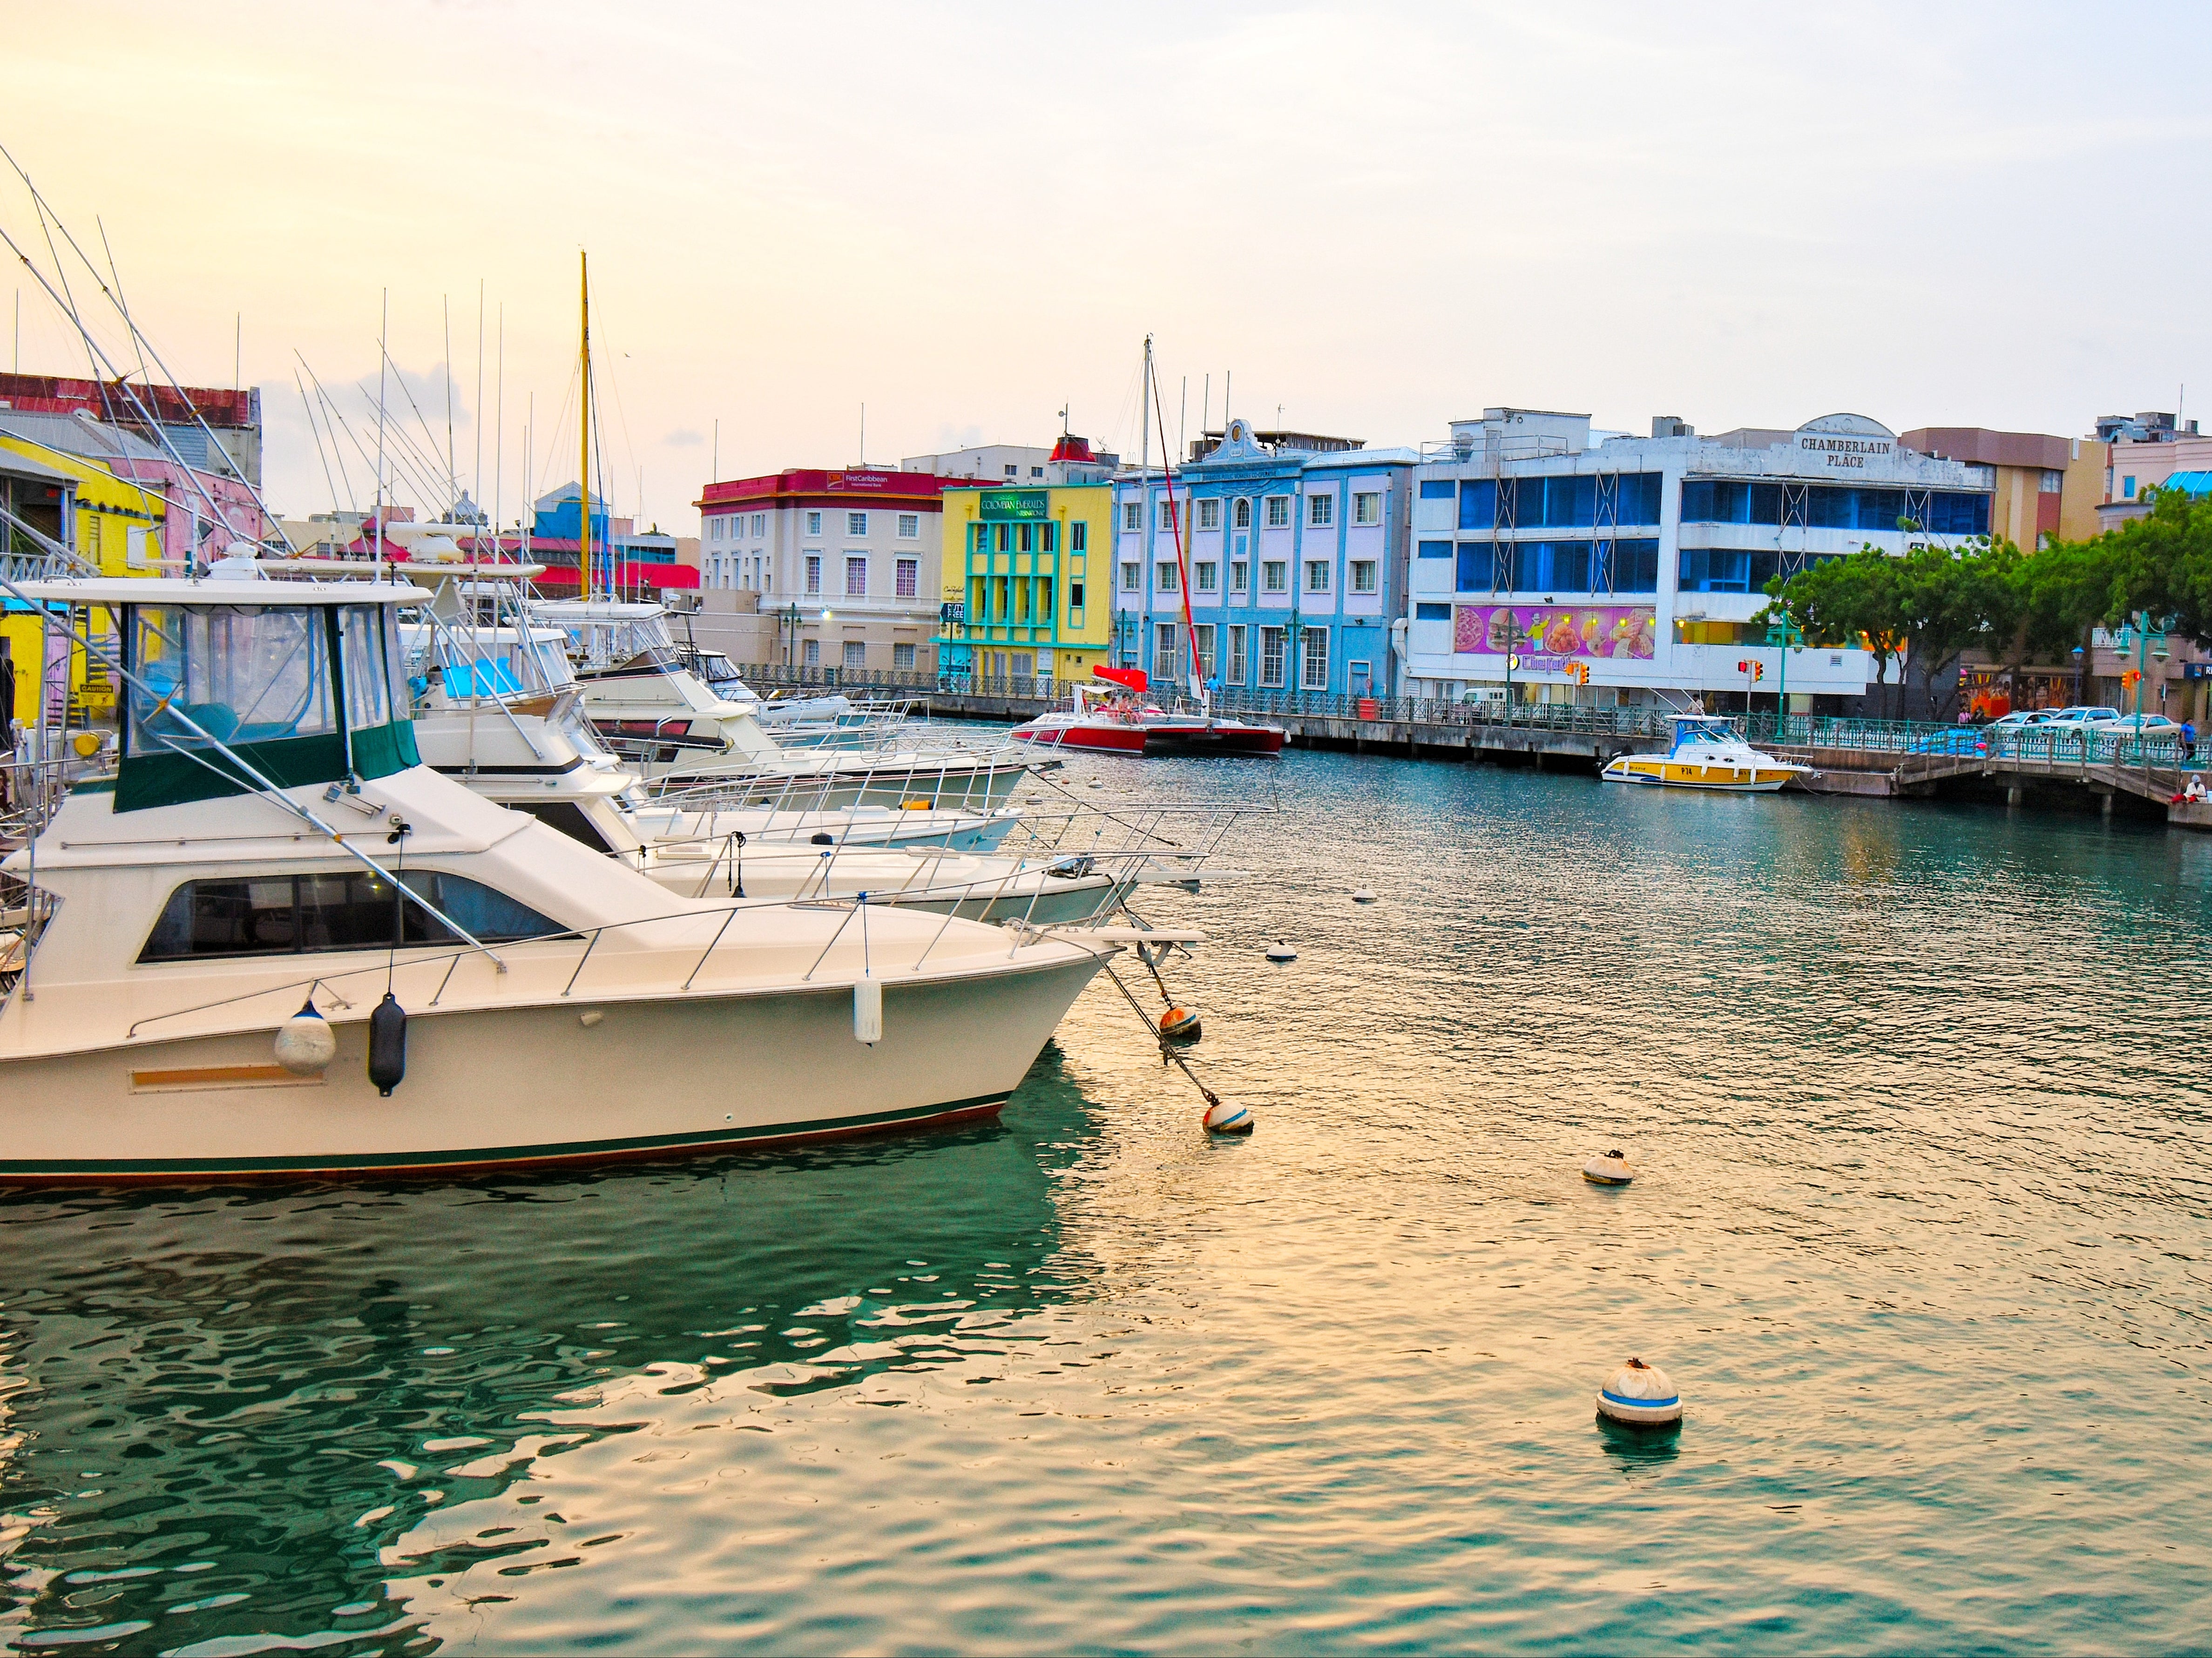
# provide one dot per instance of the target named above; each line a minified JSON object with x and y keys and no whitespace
{"x":1027,"y":577}
{"x":110,"y":523}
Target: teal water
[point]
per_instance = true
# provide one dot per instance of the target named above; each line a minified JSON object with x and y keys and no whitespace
{"x":1921,"y":1096}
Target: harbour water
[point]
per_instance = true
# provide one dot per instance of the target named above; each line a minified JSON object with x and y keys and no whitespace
{"x":1921,"y":1099}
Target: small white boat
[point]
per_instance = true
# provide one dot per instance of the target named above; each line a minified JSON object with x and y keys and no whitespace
{"x":1707,"y":754}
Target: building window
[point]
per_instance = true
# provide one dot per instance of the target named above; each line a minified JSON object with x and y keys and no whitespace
{"x":1130,"y":571}
{"x":1241,"y":517}
{"x":1240,"y":576}
{"x":1362,"y":575}
{"x":814,"y":573}
{"x":1005,"y":538}
{"x":1313,"y":673}
{"x":1279,"y":512}
{"x":902,"y":655}
{"x":910,"y":578}
{"x":2054,"y":481}
{"x":1133,"y":515}
{"x":909,"y":526}
{"x":856,"y":577}
{"x":1168,"y":512}
{"x":1163,"y":577}
{"x":982,"y":537}
{"x":1432,"y":550}
{"x":1012,"y":470}
{"x":1321,"y":511}
{"x":1036,"y":471}
{"x":1274,"y":576}
{"x":813,"y":654}
{"x":759,"y":525}
{"x":1166,"y":660}
{"x":1317,"y":573}
{"x":1202,"y":637}
{"x":1078,"y":537}
{"x":814,"y":524}
{"x":1271,"y":659}
{"x":1437,"y":489}
{"x":2127,"y":489}
{"x":856,"y":524}
{"x":1209,"y":512}
{"x":1048,"y":536}
{"x":1367,"y":507}
{"x":1075,"y":602}
{"x":856,"y":654}
{"x":1207,"y":577}
{"x":1026,"y":537}
{"x":1234,"y":674}
{"x":1431,"y":612}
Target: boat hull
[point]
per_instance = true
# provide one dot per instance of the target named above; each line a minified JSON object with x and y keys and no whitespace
{"x":1215,"y":738}
{"x":521,"y":1086}
{"x":1103,"y":737}
{"x":1714,"y":780}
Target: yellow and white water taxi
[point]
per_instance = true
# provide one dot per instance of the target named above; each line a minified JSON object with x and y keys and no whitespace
{"x":1708,"y":754}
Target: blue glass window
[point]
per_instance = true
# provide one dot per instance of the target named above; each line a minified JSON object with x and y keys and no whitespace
{"x":1959,"y":514}
{"x":1639,"y":494}
{"x":1438,"y":488}
{"x":1552,"y":567}
{"x":1636,"y":567}
{"x":1728,"y":569}
{"x":1478,"y":504}
{"x":1431,"y":612}
{"x":1477,"y":566}
{"x":1436,"y":549}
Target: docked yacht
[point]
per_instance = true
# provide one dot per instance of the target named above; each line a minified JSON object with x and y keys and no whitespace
{"x":1116,"y":717}
{"x":272,"y":939}
{"x":1707,"y":754}
{"x":658,"y":716}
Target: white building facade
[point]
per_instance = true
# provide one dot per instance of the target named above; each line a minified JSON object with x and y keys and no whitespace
{"x":1542,"y":558}
{"x":845,"y":565}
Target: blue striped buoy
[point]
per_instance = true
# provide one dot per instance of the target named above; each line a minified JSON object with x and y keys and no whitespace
{"x":1226,"y":1117}
{"x":1640,"y":1395}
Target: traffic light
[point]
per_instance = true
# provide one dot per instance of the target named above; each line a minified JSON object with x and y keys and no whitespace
{"x":1751,"y":670}
{"x":2131,"y":678}
{"x":1579,"y":673}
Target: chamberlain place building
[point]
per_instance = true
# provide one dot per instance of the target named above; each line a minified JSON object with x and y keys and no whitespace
{"x":1296,"y":547}
{"x":1543,"y":560}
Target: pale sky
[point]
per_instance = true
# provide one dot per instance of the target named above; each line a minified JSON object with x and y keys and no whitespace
{"x":1376,"y":217}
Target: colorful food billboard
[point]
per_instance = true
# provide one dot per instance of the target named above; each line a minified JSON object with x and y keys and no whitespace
{"x":1563,"y":631}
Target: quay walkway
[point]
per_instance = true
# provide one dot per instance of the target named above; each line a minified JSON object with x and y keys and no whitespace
{"x":1882,"y":758}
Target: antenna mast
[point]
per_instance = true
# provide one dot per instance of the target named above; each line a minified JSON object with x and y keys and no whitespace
{"x":584,"y":440}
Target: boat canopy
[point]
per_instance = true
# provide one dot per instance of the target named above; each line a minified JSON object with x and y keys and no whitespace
{"x":298,"y":681}
{"x":1129,"y":678}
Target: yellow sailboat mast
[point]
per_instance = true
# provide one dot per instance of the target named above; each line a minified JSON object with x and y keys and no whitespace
{"x":583,"y":430}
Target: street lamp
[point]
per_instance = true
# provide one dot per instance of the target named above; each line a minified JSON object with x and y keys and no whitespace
{"x":790,"y":618}
{"x":1515,"y":637}
{"x":2147,"y":639}
{"x":1785,"y":636}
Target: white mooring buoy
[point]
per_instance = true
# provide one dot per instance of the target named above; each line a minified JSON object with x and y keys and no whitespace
{"x":1640,"y":1395}
{"x":1363,"y":895}
{"x":1280,"y":950}
{"x":1098,"y":782}
{"x":1224,"y":1117}
{"x":1608,"y":1168}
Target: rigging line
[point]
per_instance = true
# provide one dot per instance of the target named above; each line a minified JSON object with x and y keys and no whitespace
{"x":499,"y":432}
{"x":38,"y":207}
{"x":393,"y":462}
{"x":623,"y":414}
{"x":117,"y":277}
{"x":400,"y":375}
{"x":309,"y":408}
{"x":421,"y":463}
{"x":475,"y":412}
{"x":140,"y":339}
{"x":192,"y":476}
{"x":323,"y":396}
{"x":560,"y":422}
{"x":446,"y":301}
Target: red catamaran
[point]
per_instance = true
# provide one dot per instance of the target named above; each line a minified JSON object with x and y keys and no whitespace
{"x":1118,"y":718}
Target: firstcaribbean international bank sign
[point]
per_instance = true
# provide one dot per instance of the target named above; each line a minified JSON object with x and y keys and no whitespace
{"x":1009,"y":504}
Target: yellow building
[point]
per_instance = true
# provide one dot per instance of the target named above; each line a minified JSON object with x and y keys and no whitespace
{"x":111,"y":523}
{"x":1026,"y":581}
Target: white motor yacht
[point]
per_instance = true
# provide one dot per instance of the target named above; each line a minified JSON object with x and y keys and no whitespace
{"x":659,"y":717}
{"x":272,"y":940}
{"x":1708,"y":753}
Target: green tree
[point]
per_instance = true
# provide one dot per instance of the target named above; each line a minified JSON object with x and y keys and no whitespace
{"x":1855,"y":600}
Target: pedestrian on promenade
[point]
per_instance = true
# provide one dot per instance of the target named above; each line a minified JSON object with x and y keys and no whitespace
{"x":2188,"y":741}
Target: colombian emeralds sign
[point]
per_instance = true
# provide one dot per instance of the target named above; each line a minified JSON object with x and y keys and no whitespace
{"x":1005,"y":505}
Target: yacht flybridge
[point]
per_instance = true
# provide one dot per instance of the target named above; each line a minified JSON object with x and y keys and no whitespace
{"x":272,"y":939}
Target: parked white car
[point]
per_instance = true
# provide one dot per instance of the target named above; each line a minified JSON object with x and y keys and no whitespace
{"x":2155,"y":726}
{"x":2083,"y":718}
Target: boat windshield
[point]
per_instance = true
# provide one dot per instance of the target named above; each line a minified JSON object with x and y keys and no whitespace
{"x":1703,"y":728}
{"x":244,"y":673}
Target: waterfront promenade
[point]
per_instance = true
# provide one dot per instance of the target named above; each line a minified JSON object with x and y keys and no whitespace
{"x":1900,"y":759}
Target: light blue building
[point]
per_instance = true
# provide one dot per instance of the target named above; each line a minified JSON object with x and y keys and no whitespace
{"x":1297,"y":548}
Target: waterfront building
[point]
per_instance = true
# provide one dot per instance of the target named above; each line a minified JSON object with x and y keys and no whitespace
{"x":2045,"y":489}
{"x":846,"y":564}
{"x":212,"y":430}
{"x":1297,"y":552}
{"x":645,"y":562}
{"x":1071,"y":460}
{"x":2145,"y":450}
{"x":1027,"y":574}
{"x":1540,"y":548}
{"x":203,"y":510}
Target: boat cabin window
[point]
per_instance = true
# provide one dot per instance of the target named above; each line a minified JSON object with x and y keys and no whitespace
{"x":289,"y":914}
{"x":369,"y":664}
{"x":567,"y":817}
{"x":241,"y":673}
